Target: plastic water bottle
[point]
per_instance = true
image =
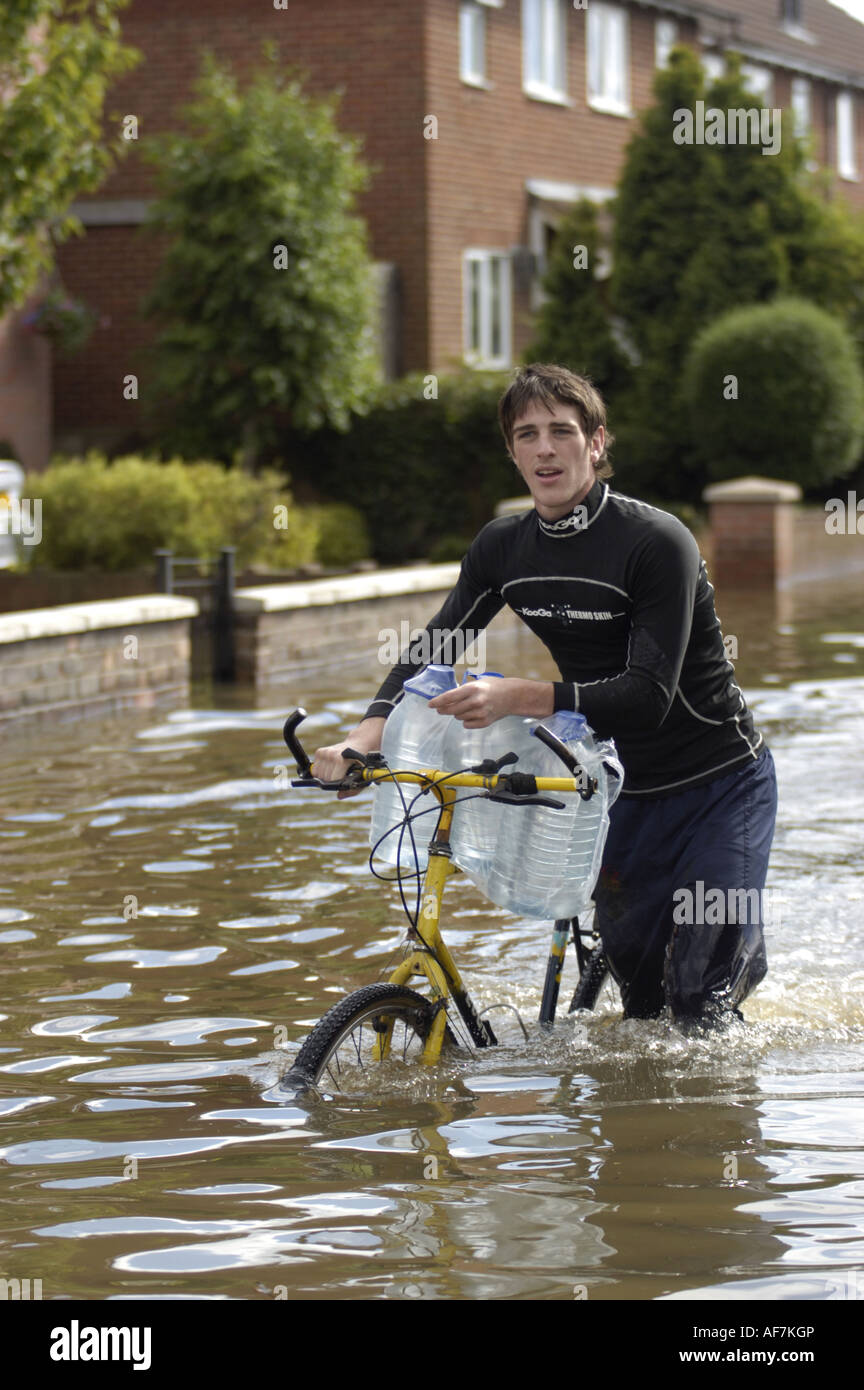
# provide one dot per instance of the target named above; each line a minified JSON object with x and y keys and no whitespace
{"x":413,"y":738}
{"x":547,"y":861}
{"x":476,"y":822}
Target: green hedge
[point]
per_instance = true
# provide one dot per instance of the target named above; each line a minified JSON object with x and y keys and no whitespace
{"x":98,"y":515}
{"x":343,"y":536}
{"x":419,"y":468}
{"x":799,"y":412}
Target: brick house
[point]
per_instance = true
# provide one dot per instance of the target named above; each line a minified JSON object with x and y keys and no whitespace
{"x":484,"y":119}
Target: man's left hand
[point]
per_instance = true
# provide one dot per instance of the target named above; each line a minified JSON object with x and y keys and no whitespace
{"x":479,"y":703}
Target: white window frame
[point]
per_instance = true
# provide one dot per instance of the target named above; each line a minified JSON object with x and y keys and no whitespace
{"x":482,"y":355}
{"x":758,"y":80}
{"x":714,"y":65}
{"x":665,"y":39}
{"x":472,"y":43}
{"x":542,"y":215}
{"x":795,"y":28}
{"x":601,"y":20}
{"x":544,"y":49}
{"x":801,"y":104}
{"x":539,"y":218}
{"x":845,"y":127}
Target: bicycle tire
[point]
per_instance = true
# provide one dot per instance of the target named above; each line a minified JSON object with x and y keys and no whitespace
{"x":320,"y":1051}
{"x":590,"y":981}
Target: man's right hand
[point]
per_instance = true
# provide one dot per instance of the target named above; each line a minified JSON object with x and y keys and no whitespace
{"x":328,"y":763}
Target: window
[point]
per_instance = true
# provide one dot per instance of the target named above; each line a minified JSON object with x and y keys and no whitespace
{"x":542,"y":235}
{"x":791,"y":21}
{"x":544,"y":49}
{"x":714,"y":65}
{"x":847,"y":159}
{"x":665,"y":38}
{"x":758,"y":80}
{"x":472,"y":44}
{"x":800,"y":103}
{"x":486,"y":278}
{"x":608,"y":58}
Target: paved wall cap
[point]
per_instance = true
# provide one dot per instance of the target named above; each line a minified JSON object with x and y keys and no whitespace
{"x":70,"y":618}
{"x":512,"y":506}
{"x":752,"y":490}
{"x":315,"y":593}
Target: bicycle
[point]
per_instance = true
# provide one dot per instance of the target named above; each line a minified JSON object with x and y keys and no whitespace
{"x":399,"y":1020}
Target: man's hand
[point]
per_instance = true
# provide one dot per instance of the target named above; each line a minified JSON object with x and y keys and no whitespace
{"x":328,"y":763}
{"x":479,"y":703}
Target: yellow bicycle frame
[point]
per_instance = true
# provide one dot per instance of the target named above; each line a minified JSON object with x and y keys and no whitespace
{"x":427,"y":955}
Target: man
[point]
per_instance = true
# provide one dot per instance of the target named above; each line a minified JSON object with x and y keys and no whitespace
{"x":618,"y":593}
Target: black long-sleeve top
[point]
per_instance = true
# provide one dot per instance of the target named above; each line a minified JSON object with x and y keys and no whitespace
{"x":619,"y":594}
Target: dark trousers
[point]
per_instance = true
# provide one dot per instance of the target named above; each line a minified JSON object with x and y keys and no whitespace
{"x":679,"y":896}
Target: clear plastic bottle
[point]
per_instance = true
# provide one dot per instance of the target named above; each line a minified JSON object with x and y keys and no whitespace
{"x":413,"y":738}
{"x":547,"y":861}
{"x":474,"y":836}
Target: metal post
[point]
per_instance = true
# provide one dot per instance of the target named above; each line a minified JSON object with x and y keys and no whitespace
{"x":164,"y":571}
{"x":223,"y":616}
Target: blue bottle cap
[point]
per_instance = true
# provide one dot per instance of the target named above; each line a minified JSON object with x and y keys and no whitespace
{"x":566,"y":725}
{"x":435,"y":680}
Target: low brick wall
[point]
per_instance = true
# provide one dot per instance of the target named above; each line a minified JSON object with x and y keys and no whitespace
{"x":286,"y":631}
{"x":94,"y":658}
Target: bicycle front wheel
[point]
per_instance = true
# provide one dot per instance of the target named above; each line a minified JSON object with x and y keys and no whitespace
{"x":345,"y":1043}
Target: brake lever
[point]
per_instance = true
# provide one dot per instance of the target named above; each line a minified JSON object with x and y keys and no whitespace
{"x":317,"y":783}
{"x":490,"y":766}
{"x":513,"y":799}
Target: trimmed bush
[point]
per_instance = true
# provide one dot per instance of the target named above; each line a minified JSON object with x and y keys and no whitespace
{"x":343,"y":536}
{"x":418,"y":467}
{"x":799,"y":412}
{"x":449,"y":548}
{"x":112,"y":516}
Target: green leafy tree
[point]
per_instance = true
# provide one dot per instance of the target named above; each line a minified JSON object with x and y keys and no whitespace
{"x":574,"y":325}
{"x":776,"y":389}
{"x":700,"y":228}
{"x":57,"y":60}
{"x":264,"y":293}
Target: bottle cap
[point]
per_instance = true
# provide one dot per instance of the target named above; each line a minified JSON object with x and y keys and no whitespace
{"x":435,"y":680}
{"x":566,"y":725}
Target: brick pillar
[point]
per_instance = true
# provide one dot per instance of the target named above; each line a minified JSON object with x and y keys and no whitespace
{"x":751,"y":527}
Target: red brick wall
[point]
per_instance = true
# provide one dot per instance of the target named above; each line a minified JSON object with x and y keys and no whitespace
{"x":376,"y":55}
{"x":25,"y":390}
{"x":111,"y":268}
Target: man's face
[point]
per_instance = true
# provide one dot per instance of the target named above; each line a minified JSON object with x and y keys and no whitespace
{"x":555,"y":458}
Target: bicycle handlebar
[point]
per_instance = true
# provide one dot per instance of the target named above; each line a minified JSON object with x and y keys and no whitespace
{"x":289,"y":733}
{"x":511,"y":793}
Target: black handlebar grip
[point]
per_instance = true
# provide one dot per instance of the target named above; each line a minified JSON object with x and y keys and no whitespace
{"x":557,"y":747}
{"x":588,"y":785}
{"x":289,"y":733}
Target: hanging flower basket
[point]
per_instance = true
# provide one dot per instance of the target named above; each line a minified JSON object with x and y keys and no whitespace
{"x":67,"y":322}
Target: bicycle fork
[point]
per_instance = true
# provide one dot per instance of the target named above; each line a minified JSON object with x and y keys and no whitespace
{"x":565,"y":930}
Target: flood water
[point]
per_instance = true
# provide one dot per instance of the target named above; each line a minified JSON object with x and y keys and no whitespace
{"x":173,"y":918}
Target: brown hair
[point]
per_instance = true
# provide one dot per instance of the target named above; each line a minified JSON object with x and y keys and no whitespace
{"x":554,"y":385}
